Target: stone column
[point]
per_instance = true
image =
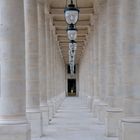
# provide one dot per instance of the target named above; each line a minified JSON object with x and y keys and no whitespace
{"x":92,"y":64}
{"x":32,"y":67}
{"x":114,"y":66}
{"x":114,"y":52}
{"x":91,"y":75}
{"x":95,"y":66}
{"x":80,"y":82}
{"x":50,"y":72}
{"x":77,"y":81}
{"x":49,"y":62}
{"x":48,"y":57}
{"x":82,"y":79}
{"x":85,"y":75}
{"x":13,"y":123}
{"x":102,"y":49}
{"x":60,"y":77}
{"x":130,"y":125}
{"x":42,"y":65}
{"x":57,"y":81}
{"x":54,"y":72}
{"x":101,"y":105}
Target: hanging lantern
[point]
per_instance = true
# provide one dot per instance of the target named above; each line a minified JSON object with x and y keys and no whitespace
{"x":72,"y":45}
{"x":72,"y":32}
{"x":71,"y":62}
{"x":71,"y":13}
{"x":72,"y":67}
{"x":72,"y":53}
{"x":71,"y":58}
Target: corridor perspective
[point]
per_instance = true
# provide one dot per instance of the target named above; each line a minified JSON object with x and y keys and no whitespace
{"x":73,"y":121}
{"x":69,"y":69}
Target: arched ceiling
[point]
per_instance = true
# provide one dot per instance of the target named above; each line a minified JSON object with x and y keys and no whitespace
{"x":57,"y":13}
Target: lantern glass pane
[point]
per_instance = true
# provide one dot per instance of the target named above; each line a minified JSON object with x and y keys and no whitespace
{"x":72,"y":46}
{"x":71,"y":16}
{"x":71,"y":52}
{"x":72,"y":34}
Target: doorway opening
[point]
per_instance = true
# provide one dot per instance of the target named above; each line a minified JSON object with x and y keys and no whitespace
{"x":71,"y":87}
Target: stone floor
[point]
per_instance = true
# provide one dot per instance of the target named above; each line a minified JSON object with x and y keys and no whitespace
{"x":73,"y":121}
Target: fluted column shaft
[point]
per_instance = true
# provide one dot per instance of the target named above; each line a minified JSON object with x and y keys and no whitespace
{"x":90,"y":68}
{"x":12,"y":56}
{"x":32,"y":55}
{"x":95,"y":58}
{"x":42,"y":66}
{"x":91,"y":62}
{"x":55,"y":72}
{"x":51,"y":71}
{"x":96,"y":97}
{"x":47,"y":29}
{"x":131,"y":57}
{"x":12,"y":53}
{"x":42,"y":53}
{"x":130,"y":125}
{"x":51,"y":61}
{"x":114,"y":66}
{"x":114,"y":53}
{"x":100,"y":104}
{"x":32,"y":66}
{"x":102,"y":49}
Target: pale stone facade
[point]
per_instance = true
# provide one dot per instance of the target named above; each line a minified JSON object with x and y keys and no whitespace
{"x":33,"y":68}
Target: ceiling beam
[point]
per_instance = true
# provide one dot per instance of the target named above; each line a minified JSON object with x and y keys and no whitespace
{"x":60,"y":11}
{"x":65,"y":54}
{"x":67,"y":41}
{"x":62,"y":38}
{"x":65,"y":44}
{"x":67,"y":59}
{"x":78,"y":36}
{"x":62,"y":23}
{"x":80,"y":32}
{"x":65,"y":49}
{"x":79,"y":28}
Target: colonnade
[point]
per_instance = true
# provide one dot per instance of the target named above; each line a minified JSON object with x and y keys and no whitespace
{"x":115,"y":67}
{"x":32,"y":69}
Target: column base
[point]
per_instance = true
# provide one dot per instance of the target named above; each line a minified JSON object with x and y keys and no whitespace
{"x":15,"y":132}
{"x":59,"y":100}
{"x":101,"y":112}
{"x":44,"y":119}
{"x":57,"y":103}
{"x":50,"y":105}
{"x":54,"y":106}
{"x":89,"y":98}
{"x":130,"y":129}
{"x":87,"y":101}
{"x":94,"y":107}
{"x":34,"y":119}
{"x":113,"y":118}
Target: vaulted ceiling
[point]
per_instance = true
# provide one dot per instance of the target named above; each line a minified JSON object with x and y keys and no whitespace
{"x":57,"y":12}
